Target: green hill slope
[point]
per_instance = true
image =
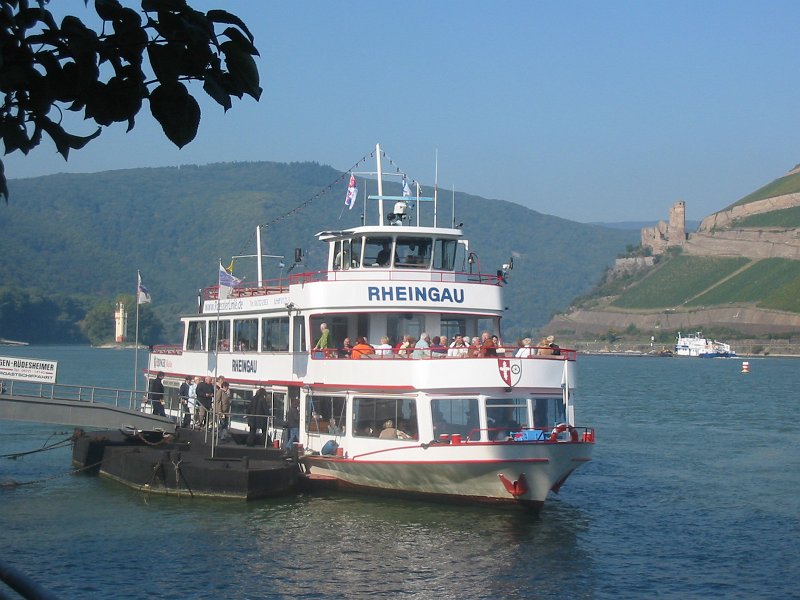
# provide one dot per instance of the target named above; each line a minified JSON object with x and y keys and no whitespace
{"x":788,"y":184}
{"x":88,"y":234}
{"x":676,"y":281}
{"x":704,"y":281}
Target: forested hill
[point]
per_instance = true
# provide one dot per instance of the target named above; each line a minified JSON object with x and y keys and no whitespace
{"x":88,"y":234}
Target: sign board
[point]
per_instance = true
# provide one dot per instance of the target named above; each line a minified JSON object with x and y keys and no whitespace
{"x":28,"y":369}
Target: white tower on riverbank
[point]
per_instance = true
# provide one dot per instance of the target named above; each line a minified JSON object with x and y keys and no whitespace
{"x":120,"y":322}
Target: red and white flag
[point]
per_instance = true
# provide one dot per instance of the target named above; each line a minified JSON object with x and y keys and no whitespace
{"x":352,"y":193}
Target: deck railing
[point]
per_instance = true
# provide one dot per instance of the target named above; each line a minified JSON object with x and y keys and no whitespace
{"x":281,"y":286}
{"x":80,"y":393}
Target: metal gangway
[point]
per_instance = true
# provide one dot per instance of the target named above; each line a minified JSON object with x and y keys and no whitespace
{"x":77,"y":405}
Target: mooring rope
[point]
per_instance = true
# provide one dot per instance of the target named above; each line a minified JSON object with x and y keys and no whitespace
{"x":53,"y":446}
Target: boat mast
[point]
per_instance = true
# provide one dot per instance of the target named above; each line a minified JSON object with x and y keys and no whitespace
{"x":380,"y":183}
{"x":436,"y":188}
{"x":258,"y":256}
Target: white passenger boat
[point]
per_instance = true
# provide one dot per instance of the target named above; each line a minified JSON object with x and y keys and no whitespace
{"x":695,"y":344}
{"x":484,"y":425}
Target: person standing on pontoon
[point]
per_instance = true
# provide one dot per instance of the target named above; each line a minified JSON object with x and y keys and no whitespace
{"x":293,"y":425}
{"x":156,"y":395}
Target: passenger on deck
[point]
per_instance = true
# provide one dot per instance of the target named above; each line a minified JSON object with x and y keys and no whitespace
{"x":384,"y":349}
{"x":544,"y":346}
{"x":389,"y":432}
{"x":488,"y":347}
{"x":362,"y":349}
{"x":323,"y":343}
{"x":525,"y":351}
{"x":346,"y":349}
{"x":439,"y":346}
{"x":404,"y":348}
{"x":422,"y":347}
{"x":458,"y":349}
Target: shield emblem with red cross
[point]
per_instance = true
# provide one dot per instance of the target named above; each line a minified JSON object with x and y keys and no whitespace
{"x":510,"y":371}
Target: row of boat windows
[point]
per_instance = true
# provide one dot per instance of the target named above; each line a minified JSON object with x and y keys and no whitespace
{"x":372,"y":417}
{"x":275,"y":330}
{"x":326,"y":414}
{"x":274,"y":335}
{"x":401,"y":253}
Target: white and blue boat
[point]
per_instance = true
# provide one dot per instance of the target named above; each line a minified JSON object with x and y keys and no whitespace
{"x":695,"y":344}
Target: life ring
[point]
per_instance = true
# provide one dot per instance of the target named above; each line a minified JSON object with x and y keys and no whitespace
{"x":561,"y":428}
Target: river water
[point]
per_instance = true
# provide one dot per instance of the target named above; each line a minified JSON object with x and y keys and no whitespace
{"x":694,"y":492}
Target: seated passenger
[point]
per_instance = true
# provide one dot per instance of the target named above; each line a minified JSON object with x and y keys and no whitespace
{"x":544,"y":346}
{"x":458,"y":349}
{"x":525,"y":350}
{"x":488,"y":346}
{"x":422,"y":347}
{"x":389,"y":432}
{"x":362,"y":349}
{"x":384,"y":349}
{"x":346,"y":349}
{"x":405,"y":347}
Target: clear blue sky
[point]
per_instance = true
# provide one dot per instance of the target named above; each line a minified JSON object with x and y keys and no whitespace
{"x":584,"y":110}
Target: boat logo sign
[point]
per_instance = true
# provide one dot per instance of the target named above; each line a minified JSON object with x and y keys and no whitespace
{"x":510,"y":371}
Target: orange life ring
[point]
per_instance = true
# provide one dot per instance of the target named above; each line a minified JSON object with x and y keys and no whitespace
{"x":561,"y":428}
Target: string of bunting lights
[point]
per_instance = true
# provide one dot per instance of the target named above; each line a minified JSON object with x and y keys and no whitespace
{"x":344,"y":175}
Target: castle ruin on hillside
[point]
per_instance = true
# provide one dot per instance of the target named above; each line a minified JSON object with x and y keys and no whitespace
{"x":663,"y":234}
{"x":718,"y":234}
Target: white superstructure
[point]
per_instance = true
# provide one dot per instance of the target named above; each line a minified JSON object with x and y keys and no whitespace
{"x":480,"y":424}
{"x":695,"y":344}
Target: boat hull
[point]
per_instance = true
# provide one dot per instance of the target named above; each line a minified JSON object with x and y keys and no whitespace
{"x":184,"y":467}
{"x":506,"y":473}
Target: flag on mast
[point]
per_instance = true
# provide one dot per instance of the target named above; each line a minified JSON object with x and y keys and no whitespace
{"x":352,"y":193}
{"x":406,"y":189}
{"x":226,"y":283}
{"x":142,"y":293}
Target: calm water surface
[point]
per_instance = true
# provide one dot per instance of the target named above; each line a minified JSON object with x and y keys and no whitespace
{"x":694,"y":492}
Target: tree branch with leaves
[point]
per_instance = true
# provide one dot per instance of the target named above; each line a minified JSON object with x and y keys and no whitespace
{"x":47,"y":68}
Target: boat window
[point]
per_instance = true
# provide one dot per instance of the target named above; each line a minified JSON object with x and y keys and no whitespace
{"x":452,"y":327}
{"x":386,"y":418}
{"x":444,"y":255}
{"x":196,"y":338}
{"x":275,"y":335}
{"x":505,"y":416}
{"x":378,"y":252}
{"x":399,"y":325}
{"x":355,"y":253}
{"x":490,"y":324}
{"x":413,"y":253}
{"x":326,"y":414}
{"x":245,"y":334}
{"x":220,"y":330}
{"x":548,"y":412}
{"x":341,"y":255}
{"x":278,"y":402}
{"x":240,"y":402}
{"x":456,"y":415}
